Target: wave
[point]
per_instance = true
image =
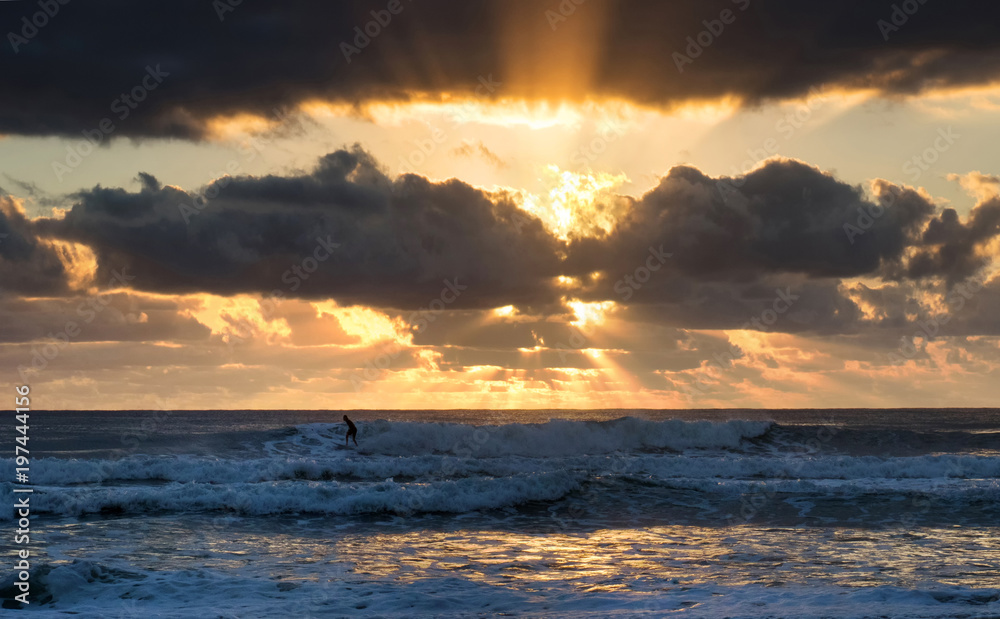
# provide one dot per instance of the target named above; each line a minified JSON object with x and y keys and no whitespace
{"x":108,"y":587}
{"x":398,"y":484}
{"x":480,"y":494}
{"x":199,"y":469}
{"x":406,"y":467}
{"x":389,"y":496}
{"x":553,"y":438}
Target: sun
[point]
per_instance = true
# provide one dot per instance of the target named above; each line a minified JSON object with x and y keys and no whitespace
{"x":589,"y":313}
{"x":578,"y":203}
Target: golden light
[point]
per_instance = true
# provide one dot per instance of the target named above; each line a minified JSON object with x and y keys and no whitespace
{"x":578,"y":203}
{"x":950,"y":102}
{"x":239,"y":126}
{"x":241,"y":316}
{"x":368,"y":325}
{"x":980,"y":186}
{"x":750,"y":341}
{"x":429,"y":359}
{"x":79,"y":262}
{"x":505,"y":311}
{"x":592,"y":313}
{"x":502,"y":112}
{"x":539,"y":344}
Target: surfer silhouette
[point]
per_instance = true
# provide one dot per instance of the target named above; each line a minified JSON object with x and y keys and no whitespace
{"x":352,"y":431}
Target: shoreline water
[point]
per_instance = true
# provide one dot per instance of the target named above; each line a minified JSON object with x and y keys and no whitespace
{"x":793,"y":513}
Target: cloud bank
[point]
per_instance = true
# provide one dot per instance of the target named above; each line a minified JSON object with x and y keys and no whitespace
{"x":92,"y":62}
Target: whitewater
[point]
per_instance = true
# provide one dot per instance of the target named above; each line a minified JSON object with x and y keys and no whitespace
{"x":835,"y":513}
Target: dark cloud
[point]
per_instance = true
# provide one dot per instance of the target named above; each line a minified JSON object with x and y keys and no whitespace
{"x":24,"y":188}
{"x":783,"y":218}
{"x":772,"y":304}
{"x":771,"y":249}
{"x":103,"y":317}
{"x":478,"y":149}
{"x":28,"y":265}
{"x":954,"y":249}
{"x":345,"y":231}
{"x":71,"y":73}
{"x":966,"y":308}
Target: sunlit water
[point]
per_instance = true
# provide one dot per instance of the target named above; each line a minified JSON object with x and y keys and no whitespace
{"x":254,"y":515}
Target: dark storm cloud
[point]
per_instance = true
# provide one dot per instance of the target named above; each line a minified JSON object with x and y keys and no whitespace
{"x":27,"y":265}
{"x":927,"y":311}
{"x":784,"y":217}
{"x":112,"y":318}
{"x":718,"y":253}
{"x":343,"y":231}
{"x":72,"y":72}
{"x":773,"y":246}
{"x":955,"y":249}
{"x":771,"y":304}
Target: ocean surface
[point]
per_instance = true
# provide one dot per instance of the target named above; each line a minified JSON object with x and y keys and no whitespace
{"x":638,"y":513}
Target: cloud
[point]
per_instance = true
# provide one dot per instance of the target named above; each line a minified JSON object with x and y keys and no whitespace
{"x":785,"y":217}
{"x":978,"y":185}
{"x":343,"y":231}
{"x":478,"y":149}
{"x":695,"y":252}
{"x":256,"y":58}
{"x":955,"y":249}
{"x":29,"y":265}
{"x":894,"y":310}
{"x":112,"y":317}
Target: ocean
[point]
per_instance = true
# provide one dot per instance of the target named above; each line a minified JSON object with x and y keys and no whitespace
{"x":616,"y":513}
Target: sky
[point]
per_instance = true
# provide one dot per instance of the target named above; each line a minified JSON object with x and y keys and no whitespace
{"x":418,"y":204}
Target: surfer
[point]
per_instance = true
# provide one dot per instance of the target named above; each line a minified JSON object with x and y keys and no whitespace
{"x":352,"y":431}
